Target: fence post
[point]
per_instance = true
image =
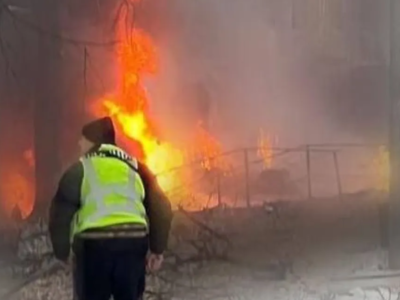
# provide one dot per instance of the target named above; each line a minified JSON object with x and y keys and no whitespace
{"x":308,"y":162}
{"x":247,"y":184}
{"x":337,"y":172}
{"x":219,"y":198}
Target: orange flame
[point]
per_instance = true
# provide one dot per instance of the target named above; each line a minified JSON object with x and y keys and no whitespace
{"x":129,"y":108}
{"x":129,"y":105}
{"x":209,"y":150}
{"x":265,"y":150}
{"x":19,"y":192}
{"x":17,"y":185}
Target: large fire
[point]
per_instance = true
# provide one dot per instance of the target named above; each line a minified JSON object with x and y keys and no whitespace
{"x":137,"y":59}
{"x":129,"y":106}
{"x":159,"y":156}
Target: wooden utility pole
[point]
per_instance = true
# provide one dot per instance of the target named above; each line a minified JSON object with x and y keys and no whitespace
{"x":394,"y":138}
{"x":48,"y":100}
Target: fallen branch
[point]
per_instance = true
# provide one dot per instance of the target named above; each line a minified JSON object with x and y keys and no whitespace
{"x":50,"y":269}
{"x":204,"y":226}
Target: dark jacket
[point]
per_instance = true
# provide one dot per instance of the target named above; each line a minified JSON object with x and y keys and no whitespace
{"x":67,"y":202}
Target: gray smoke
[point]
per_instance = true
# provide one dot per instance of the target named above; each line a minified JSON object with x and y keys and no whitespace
{"x":305,"y":71}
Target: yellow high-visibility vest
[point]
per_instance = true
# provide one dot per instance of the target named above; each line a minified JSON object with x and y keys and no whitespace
{"x":112,"y":193}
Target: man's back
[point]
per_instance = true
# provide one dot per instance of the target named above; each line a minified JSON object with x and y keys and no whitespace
{"x":117,"y":211}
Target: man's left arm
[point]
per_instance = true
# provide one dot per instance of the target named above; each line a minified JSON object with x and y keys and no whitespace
{"x":64,"y":206}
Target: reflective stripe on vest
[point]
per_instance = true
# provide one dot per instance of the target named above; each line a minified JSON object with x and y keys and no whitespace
{"x":98,"y":193}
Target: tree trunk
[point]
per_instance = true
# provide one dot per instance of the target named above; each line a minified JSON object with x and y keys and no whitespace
{"x":48,"y":101}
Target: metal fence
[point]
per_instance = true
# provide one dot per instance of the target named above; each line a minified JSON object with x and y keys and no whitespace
{"x":306,"y":171}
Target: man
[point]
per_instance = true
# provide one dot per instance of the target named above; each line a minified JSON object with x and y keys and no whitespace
{"x":114,"y":210}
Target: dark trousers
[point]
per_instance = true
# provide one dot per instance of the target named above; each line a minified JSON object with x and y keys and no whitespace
{"x":110,"y":267}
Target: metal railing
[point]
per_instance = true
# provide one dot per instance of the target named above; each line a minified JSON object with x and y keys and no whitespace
{"x":314,"y":168}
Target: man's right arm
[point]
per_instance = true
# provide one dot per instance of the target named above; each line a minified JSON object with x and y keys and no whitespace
{"x":64,"y":206}
{"x":158,"y":209}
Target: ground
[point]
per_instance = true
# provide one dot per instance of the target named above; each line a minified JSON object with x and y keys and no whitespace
{"x":290,"y":250}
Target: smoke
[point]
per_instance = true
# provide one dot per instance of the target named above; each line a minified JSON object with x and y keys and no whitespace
{"x":304,"y":73}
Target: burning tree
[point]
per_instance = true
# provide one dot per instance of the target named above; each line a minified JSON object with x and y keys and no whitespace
{"x":136,"y":59}
{"x":129,"y":106}
{"x":129,"y":103}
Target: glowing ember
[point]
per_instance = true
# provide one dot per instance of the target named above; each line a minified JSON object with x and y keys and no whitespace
{"x":265,"y":149}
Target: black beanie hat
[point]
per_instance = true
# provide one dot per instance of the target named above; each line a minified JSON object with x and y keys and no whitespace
{"x":100,"y":131}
